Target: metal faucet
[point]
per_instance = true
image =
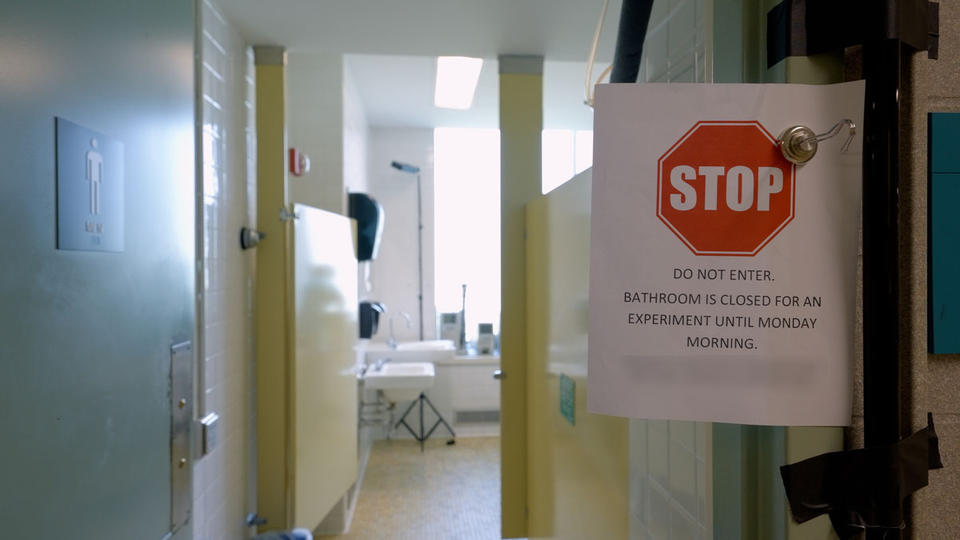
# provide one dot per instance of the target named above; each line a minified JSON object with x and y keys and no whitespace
{"x":379,"y":364}
{"x":392,"y":341}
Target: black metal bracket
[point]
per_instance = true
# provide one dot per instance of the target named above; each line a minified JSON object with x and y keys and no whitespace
{"x":808,"y":27}
{"x":933,"y":30}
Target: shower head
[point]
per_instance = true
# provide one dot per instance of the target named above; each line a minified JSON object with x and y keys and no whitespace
{"x":405,"y":167}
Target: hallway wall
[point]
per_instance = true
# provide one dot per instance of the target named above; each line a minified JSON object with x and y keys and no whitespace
{"x":394,"y":273}
{"x":930,"y":381}
{"x":356,"y":133}
{"x":327,"y":121}
{"x":224,"y":484}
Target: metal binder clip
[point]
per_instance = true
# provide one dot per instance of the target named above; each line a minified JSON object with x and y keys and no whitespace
{"x":799,"y":143}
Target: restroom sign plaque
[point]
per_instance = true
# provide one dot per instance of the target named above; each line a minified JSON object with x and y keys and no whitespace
{"x":722,"y":276}
{"x":90,"y":189}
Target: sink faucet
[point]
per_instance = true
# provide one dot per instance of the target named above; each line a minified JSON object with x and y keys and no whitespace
{"x":392,"y":341}
{"x":379,"y":364}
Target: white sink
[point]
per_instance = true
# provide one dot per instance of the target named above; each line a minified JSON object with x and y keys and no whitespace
{"x":412,"y":351}
{"x":401,"y":381}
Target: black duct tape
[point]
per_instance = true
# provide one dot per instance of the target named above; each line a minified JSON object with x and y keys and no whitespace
{"x":862,"y":488}
{"x":807,"y":27}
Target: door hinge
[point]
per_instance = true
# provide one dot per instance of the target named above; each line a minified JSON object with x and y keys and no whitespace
{"x":255,"y":520}
{"x":286,"y":215}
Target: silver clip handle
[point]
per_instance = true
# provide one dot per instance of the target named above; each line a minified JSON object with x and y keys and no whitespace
{"x":799,"y":144}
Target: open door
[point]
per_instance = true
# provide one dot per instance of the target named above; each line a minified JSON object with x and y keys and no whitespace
{"x":88,"y":334}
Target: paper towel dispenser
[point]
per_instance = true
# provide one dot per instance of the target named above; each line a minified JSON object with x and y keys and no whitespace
{"x":369,"y":215}
{"x":370,"y":318}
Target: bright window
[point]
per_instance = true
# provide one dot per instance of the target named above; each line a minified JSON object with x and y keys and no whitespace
{"x":467,"y":224}
{"x":565,"y":153}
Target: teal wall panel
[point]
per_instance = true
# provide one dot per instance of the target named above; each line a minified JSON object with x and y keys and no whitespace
{"x":944,"y":234}
{"x":945,"y":142}
{"x":944,"y":263}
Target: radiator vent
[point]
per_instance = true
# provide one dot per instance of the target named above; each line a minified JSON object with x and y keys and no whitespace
{"x":477,"y":417}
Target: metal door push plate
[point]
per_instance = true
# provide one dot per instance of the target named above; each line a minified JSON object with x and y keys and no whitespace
{"x":181,"y":417}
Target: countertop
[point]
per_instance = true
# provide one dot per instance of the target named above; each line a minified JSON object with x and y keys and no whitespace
{"x":472,"y":360}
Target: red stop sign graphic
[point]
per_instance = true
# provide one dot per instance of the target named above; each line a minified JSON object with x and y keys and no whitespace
{"x":725,"y":189}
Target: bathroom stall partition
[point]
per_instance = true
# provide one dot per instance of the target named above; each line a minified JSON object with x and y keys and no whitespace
{"x":306,"y":332}
{"x":306,"y":296}
{"x":578,"y":464}
{"x":595,"y":476}
{"x":309,"y":387}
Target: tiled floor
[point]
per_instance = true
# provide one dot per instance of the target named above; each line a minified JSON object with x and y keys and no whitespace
{"x":445,"y":493}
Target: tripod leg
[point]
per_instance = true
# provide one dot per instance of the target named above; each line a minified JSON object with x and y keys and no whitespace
{"x":406,"y":412}
{"x":439,"y":418}
{"x":422,"y":438}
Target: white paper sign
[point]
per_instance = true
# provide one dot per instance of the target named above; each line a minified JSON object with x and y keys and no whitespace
{"x":723,"y":277}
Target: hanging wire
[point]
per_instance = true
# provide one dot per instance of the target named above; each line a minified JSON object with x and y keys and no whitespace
{"x":836,"y":129}
{"x":588,"y":82}
{"x":799,"y":143}
{"x":603,"y":75}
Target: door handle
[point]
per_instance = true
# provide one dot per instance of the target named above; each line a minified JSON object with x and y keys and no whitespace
{"x":499,"y":374}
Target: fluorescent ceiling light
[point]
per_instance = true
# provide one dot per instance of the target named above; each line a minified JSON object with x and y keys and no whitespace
{"x":457,"y":78}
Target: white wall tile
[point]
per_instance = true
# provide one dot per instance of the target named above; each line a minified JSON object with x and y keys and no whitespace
{"x":702,"y":439}
{"x":669,"y":486}
{"x":702,"y":496}
{"x":682,"y":527}
{"x":683,"y":478}
{"x":684,"y":433}
{"x":660,"y":13}
{"x":221,"y":478}
{"x":681,"y":27}
{"x":658,"y":513}
{"x":658,"y":455}
{"x":655,"y":53}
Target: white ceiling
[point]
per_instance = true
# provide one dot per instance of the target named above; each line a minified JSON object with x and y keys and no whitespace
{"x":556,"y":29}
{"x":398,"y":91}
{"x":392,"y":45}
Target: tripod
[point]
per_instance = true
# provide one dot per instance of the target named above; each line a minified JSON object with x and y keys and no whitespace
{"x":421,"y":437}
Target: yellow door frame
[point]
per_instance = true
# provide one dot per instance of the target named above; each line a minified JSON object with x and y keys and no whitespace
{"x":521,"y":122}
